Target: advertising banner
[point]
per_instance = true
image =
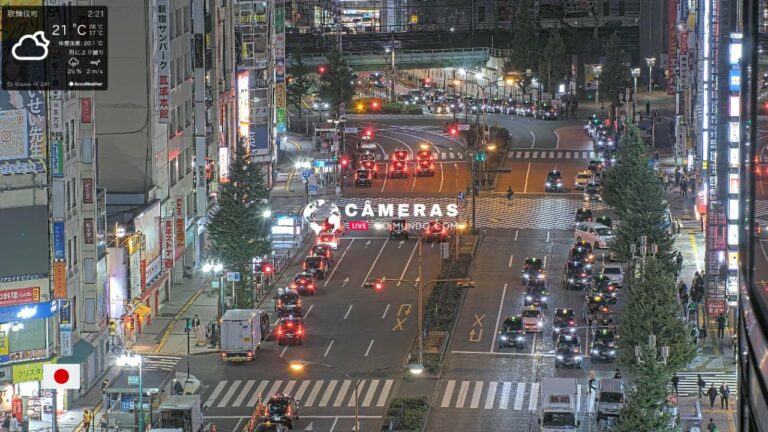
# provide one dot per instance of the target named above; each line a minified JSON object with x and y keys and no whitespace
{"x":59,"y":280}
{"x":143,"y":274}
{"x":57,"y":118}
{"x":65,"y":339}
{"x":280,"y":120}
{"x":168,"y":243}
{"x":24,"y":144}
{"x":223,"y":164}
{"x":87,"y":191}
{"x":58,"y":241}
{"x":17,"y":296}
{"x":134,"y":268}
{"x":65,"y":312}
{"x":57,"y":158}
{"x":28,"y":372}
{"x":243,"y":103}
{"x":180,"y":223}
{"x":163,"y":56}
{"x":85,"y":110}
{"x":590,"y":79}
{"x":4,"y":339}
{"x":672,"y":46}
{"x":88,"y":230}
{"x":280,"y":99}
{"x":149,"y":225}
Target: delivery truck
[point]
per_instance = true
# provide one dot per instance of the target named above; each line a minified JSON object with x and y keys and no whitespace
{"x":242,"y":331}
{"x":559,"y":405}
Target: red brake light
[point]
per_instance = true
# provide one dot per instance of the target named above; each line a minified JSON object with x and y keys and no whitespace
{"x":300,"y":331}
{"x":280,"y":331}
{"x":290,"y":324}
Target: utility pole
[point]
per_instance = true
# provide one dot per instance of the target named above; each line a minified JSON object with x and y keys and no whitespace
{"x":420,"y":306}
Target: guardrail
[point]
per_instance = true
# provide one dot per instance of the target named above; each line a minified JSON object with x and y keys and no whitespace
{"x":405,"y":59}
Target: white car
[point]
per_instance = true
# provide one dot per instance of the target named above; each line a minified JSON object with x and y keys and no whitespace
{"x":615,"y":273}
{"x":597,"y":234}
{"x":581,"y":179}
{"x":533,"y":319}
{"x":319,"y":105}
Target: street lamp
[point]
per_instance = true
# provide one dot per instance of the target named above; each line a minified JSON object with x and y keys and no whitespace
{"x":597,"y":70}
{"x":134,"y":360}
{"x":300,"y":365}
{"x":651,"y":62}
{"x":216,"y":267}
{"x":635,"y":76}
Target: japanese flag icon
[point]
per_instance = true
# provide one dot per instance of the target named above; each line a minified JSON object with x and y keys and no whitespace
{"x":61,"y":376}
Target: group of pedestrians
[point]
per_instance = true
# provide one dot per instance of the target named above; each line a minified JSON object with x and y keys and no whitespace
{"x":681,"y":180}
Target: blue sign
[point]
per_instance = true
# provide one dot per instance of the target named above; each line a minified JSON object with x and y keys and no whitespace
{"x":65,"y":312}
{"x":28,"y":311}
{"x":306,"y":174}
{"x":318,"y":163}
{"x":461,"y":196}
{"x":58,"y":241}
{"x":734,"y":79}
{"x":233,"y":277}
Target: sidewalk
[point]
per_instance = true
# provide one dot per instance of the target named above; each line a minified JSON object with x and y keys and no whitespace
{"x":659,"y":100}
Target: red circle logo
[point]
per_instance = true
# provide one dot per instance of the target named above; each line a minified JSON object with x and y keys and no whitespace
{"x":61,"y":376}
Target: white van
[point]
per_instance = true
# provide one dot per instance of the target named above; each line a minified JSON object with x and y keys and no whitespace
{"x":610,"y":398}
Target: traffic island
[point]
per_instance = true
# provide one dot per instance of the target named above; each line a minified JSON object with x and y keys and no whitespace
{"x":406,"y":415}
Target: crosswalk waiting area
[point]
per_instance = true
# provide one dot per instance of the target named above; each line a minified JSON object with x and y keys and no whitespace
{"x":501,"y":395}
{"x":311,"y":393}
{"x":552,"y":154}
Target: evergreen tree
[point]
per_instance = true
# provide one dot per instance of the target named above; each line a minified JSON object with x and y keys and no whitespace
{"x":300,"y":81}
{"x":237,"y":230}
{"x":652,"y":309}
{"x":524,"y":37}
{"x":614,"y":76}
{"x":337,"y":83}
{"x":557,"y":61}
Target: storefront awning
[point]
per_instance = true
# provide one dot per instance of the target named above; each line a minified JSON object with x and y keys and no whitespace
{"x":142,"y":310}
{"x":80,"y":352}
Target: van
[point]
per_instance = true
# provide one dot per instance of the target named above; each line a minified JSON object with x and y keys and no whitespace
{"x":610,"y":398}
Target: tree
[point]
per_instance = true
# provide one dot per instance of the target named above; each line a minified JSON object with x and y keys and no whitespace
{"x":337,"y":82}
{"x":524,"y":36}
{"x":299,"y":82}
{"x":614,"y":76}
{"x":557,"y":61}
{"x":237,"y":230}
{"x":652,"y":309}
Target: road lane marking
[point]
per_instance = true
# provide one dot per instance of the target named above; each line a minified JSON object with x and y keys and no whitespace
{"x":212,"y":398}
{"x":289,"y":387}
{"x":228,"y":395}
{"x":328,"y":393}
{"x":408,"y":263}
{"x":504,"y":400}
{"x":533,"y":344}
{"x":557,"y":144}
{"x":237,"y":426}
{"x":590,"y":403}
{"x":462,"y":394}
{"x":384,"y":393}
{"x":244,"y":392}
{"x":257,"y":394}
{"x":371,"y":391}
{"x":336,"y":265}
{"x":533,"y":143}
{"x":534,"y":399}
{"x":479,"y":320}
{"x":404,"y":309}
{"x":368,"y":351}
{"x":519,"y":396}
{"x":370,"y":270}
{"x":386,"y":309}
{"x":328,"y":349}
{"x":516,"y":232}
{"x":313,"y":394}
{"x":578,"y":397}
{"x":302,"y":389}
{"x":399,"y":324}
{"x":511,"y":258}
{"x":448,"y":393}
{"x":282,"y":353}
{"x":360,"y":387}
{"x":342,"y":392}
{"x":309,"y":309}
{"x":544,"y":264}
{"x":476,"y":395}
{"x":501,"y":306}
{"x":527,"y":174}
{"x":498,"y":353}
{"x":491,"y":396}
{"x":272,"y":390}
{"x":348,"y":311}
{"x":547,"y":241}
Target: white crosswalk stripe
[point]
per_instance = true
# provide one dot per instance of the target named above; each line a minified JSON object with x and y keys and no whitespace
{"x":563,"y":154}
{"x":688,"y":384}
{"x":439,"y":156}
{"x":761,"y":210}
{"x":319,"y":393}
{"x":159,"y":362}
{"x":533,"y":399}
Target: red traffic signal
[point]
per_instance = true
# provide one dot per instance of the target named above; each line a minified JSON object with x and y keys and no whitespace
{"x":266,"y":267}
{"x":369,"y":132}
{"x":427,"y":80}
{"x":375,"y":104}
{"x":344,"y":162}
{"x":321,"y":69}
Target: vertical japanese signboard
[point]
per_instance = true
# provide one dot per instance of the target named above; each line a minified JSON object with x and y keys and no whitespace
{"x":88,"y":230}
{"x":180,"y":223}
{"x":59,"y":280}
{"x":168,"y":243}
{"x":279,"y":44}
{"x":87,"y":191}
{"x":672,"y":46}
{"x":163,"y":57}
{"x":85,"y":110}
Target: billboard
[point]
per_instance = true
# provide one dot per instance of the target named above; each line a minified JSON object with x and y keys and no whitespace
{"x":590,"y":78}
{"x":243,"y":103}
{"x":163,"y":52}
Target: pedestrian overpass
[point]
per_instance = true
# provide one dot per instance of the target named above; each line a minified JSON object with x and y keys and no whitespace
{"x":409,"y":59}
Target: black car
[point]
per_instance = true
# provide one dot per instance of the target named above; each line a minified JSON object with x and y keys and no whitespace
{"x":568,"y":351}
{"x":318,"y":265}
{"x":290,"y":329}
{"x":547,"y":112}
{"x":603,"y":287}
{"x":270,"y":427}
{"x":536,"y":295}
{"x":304,"y":282}
{"x":533,"y":269}
{"x":554,"y":182}
{"x":323,"y":250}
{"x":288,"y":302}
{"x":593,"y":192}
{"x":436,"y":232}
{"x":283,"y":409}
{"x":584,"y":215}
{"x":582,"y":254}
{"x":563,"y":321}
{"x":512,"y":333}
{"x":363,"y":178}
{"x":577,"y":275}
{"x":605,"y":220}
{"x":595,"y":165}
{"x":398,"y":229}
{"x":603,"y":345}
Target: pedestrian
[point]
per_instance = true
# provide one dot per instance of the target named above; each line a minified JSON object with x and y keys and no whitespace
{"x":711,"y":427}
{"x":86,"y":420}
{"x":675,"y":382}
{"x":702,"y":385}
{"x":648,"y":109}
{"x":195,"y":322}
{"x":617,"y":375}
{"x":712,"y":393}
{"x":677,"y":176}
{"x":591,"y":380}
{"x":177,"y":387}
{"x":692,"y":309}
{"x":665,"y":180}
{"x":725,"y":394}
{"x":14,"y":425}
{"x":703,"y":334}
{"x":7,"y":422}
{"x":721,"y":326}
{"x":679,"y":260}
{"x":684,"y":187}
{"x":694,"y":334}
{"x":684,"y":302}
{"x":735,"y":348}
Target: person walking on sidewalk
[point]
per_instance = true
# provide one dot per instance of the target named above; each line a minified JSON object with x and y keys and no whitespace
{"x":725,"y":394}
{"x":721,"y":326}
{"x":647,"y":108}
{"x":684,"y":302}
{"x":703,"y":335}
{"x":684,"y":187}
{"x":677,"y":176}
{"x":86,"y":420}
{"x":711,"y":427}
{"x":591,"y":380}
{"x":712,"y":393}
{"x":735,"y":348}
{"x":694,"y":334}
{"x":701,"y":385}
{"x":675,"y":382}
{"x":195,"y":322}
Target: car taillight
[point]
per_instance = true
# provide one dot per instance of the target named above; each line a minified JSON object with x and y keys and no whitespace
{"x":571,"y":322}
{"x":300,"y":331}
{"x":279,"y":303}
{"x":293,"y":285}
{"x":249,"y":354}
{"x":298,"y":303}
{"x":311,"y":286}
{"x":445,"y":231}
{"x":304,"y":266}
{"x":280,"y":331}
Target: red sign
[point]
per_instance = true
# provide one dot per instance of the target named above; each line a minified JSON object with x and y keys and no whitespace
{"x":143,"y":274}
{"x":180,"y":224}
{"x":19,"y":296}
{"x":85,"y":110}
{"x":88,"y":230}
{"x":684,"y":41}
{"x":59,"y":280}
{"x":17,"y":409}
{"x":671,"y":46}
{"x":168,"y":243}
{"x":358,"y":225}
{"x":87,"y":191}
{"x":715,"y":307}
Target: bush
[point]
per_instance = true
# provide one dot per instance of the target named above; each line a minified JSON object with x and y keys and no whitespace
{"x":432,"y":362}
{"x":444,"y":300}
{"x":363,"y":106}
{"x":407,"y":414}
{"x":413,"y":109}
{"x":391,"y":108}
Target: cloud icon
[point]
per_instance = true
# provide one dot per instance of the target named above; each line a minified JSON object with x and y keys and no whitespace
{"x":37,"y":50}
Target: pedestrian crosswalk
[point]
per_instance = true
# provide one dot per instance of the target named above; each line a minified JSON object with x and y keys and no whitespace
{"x":499,"y":395}
{"x":159,"y":362}
{"x":761,"y":210}
{"x":688,"y":384}
{"x":373,"y":393}
{"x":438,"y":156}
{"x":552,"y":154}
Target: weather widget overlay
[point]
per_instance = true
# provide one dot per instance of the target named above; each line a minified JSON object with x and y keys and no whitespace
{"x":54,"y":48}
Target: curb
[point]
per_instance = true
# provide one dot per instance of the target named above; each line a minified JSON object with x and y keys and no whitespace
{"x":177,"y":317}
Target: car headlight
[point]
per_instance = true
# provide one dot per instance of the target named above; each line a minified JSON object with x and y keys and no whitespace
{"x":521,"y":338}
{"x":540,"y":276}
{"x":504,"y":338}
{"x":545,"y":298}
{"x":612,"y":352}
{"x":539,"y":324}
{"x":559,"y":357}
{"x":548,"y":184}
{"x":577,"y":358}
{"x":529,"y":298}
{"x":525,"y":276}
{"x":570,"y":280}
{"x":595,"y":352}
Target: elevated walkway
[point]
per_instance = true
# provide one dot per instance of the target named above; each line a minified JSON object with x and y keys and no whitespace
{"x":409,"y":59}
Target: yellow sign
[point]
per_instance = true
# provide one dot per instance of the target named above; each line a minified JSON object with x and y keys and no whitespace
{"x":29,"y":372}
{"x":112,"y":327}
{"x":414,"y":19}
{"x":4,"y":339}
{"x":280,"y":95}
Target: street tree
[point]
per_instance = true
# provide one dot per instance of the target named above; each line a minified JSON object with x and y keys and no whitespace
{"x":652,"y":308}
{"x":556,"y":60}
{"x":299,"y":81}
{"x":643,"y":410}
{"x":524,"y":36}
{"x":237,"y":229}
{"x":337,"y":82}
{"x":614,"y":75}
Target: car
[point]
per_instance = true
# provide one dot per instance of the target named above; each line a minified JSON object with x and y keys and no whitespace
{"x":581,"y":179}
{"x":603,"y":345}
{"x":533,"y":269}
{"x":605,"y":141}
{"x":533,"y":319}
{"x":425,"y":163}
{"x":595,"y":165}
{"x":268,"y":426}
{"x":554,"y":181}
{"x":605,"y":220}
{"x":436,"y":232}
{"x":599,"y":314}
{"x":577,"y":275}
{"x":568,"y":351}
{"x":603,"y":287}
{"x":366,"y":143}
{"x":583,"y":215}
{"x":368,"y":162}
{"x":318,"y":265}
{"x":398,"y":229}
{"x":526,"y":109}
{"x":598,"y":177}
{"x":363,"y":178}
{"x":329,"y":239}
{"x":322,"y":250}
{"x":536,"y":295}
{"x":593,"y":192}
{"x":304,"y":282}
{"x":451,"y":127}
{"x":547,"y":113}
{"x":597,"y":234}
{"x":609,"y":157}
{"x":283,"y":409}
{"x":563,"y":321}
{"x":400,"y":155}
{"x":615,"y":273}
{"x":320,"y":105}
{"x":582,"y":252}
{"x":399,"y":169}
{"x":512,"y":333}
{"x":290,"y":329}
{"x":288,"y":302}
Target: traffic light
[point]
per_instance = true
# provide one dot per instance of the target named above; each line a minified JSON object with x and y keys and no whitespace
{"x":427,"y":81}
{"x":375,"y":104}
{"x":454,"y":131}
{"x":480,"y":156}
{"x":368,"y":133}
{"x":188,"y":326}
{"x":266,"y":267}
{"x":321,"y":69}
{"x":344,"y":162}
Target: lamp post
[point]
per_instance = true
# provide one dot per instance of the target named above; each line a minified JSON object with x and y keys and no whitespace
{"x":134,"y":360}
{"x":597,"y":70}
{"x":300,"y":365}
{"x":216,"y":267}
{"x":635,"y":76}
{"x":651,"y":62}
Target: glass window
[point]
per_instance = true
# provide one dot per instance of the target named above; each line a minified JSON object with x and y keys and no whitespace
{"x":173,"y":166}
{"x":606,"y":8}
{"x":26,"y":335}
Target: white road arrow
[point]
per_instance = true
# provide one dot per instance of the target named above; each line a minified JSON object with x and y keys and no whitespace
{"x":346,"y":280}
{"x":309,"y":427}
{"x":368,"y":243}
{"x":399,"y":245}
